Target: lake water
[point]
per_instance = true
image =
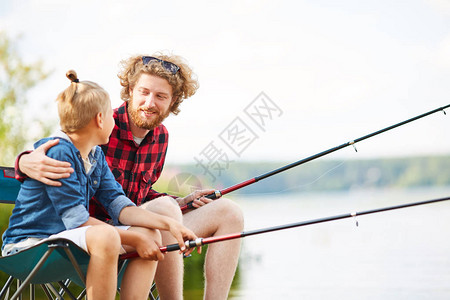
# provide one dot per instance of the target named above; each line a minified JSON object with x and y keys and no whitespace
{"x":400,"y":254}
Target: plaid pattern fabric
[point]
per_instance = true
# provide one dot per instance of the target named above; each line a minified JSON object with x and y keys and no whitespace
{"x":135,"y":167}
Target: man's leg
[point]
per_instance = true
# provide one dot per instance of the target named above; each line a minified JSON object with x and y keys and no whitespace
{"x":219,"y":217}
{"x":169,"y":273}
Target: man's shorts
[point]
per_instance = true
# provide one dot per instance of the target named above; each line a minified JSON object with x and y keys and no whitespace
{"x":77,"y":236}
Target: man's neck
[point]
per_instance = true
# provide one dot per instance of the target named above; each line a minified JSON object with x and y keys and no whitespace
{"x":138,"y":132}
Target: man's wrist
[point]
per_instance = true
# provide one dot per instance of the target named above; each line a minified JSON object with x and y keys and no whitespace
{"x":181,"y":201}
{"x":18,"y":173}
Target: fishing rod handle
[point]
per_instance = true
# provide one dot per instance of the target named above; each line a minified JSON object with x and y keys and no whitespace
{"x":188,"y":244}
{"x":213,"y":196}
{"x":169,"y":248}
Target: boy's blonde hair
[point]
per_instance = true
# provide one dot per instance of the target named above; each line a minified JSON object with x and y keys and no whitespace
{"x":80,"y":102}
{"x":184,"y":82}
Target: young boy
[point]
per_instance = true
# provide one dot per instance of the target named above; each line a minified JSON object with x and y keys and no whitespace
{"x":44,"y":212}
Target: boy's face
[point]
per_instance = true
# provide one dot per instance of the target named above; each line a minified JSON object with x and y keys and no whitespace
{"x":150,"y":101}
{"x":108,"y":124}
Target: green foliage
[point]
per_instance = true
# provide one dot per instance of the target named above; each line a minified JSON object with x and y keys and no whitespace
{"x":16,"y":79}
{"x":5,"y":213}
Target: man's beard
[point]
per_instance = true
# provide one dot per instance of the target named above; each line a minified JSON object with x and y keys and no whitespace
{"x":148,"y":124}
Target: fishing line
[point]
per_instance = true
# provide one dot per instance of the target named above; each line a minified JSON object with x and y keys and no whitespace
{"x":219,"y":193}
{"x":214,"y":239}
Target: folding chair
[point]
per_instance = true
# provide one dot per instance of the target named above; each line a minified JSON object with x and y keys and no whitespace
{"x":58,"y":262}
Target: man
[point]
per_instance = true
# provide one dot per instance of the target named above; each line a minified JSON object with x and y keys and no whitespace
{"x":153,"y":87}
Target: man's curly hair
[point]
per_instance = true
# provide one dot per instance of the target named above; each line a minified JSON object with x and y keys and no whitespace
{"x":184,"y":83}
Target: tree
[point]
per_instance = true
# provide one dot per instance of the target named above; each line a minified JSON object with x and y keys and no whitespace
{"x":16,"y":79}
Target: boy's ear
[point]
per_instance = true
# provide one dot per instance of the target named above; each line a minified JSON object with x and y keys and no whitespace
{"x":99,"y":120}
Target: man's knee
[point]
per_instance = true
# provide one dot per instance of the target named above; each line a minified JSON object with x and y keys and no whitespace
{"x":166,"y":206}
{"x":231,"y":212}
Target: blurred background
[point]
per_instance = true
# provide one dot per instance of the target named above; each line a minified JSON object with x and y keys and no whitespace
{"x":279,"y":81}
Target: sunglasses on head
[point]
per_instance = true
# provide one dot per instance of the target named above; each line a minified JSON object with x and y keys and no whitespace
{"x":171,"y":67}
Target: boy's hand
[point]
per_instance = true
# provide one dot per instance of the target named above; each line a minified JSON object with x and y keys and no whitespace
{"x":149,"y":249}
{"x":183,"y":234}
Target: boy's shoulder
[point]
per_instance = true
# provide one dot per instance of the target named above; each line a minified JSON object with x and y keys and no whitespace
{"x":62,"y":142}
{"x":64,"y":146}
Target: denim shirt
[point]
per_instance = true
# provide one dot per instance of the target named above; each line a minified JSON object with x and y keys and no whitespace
{"x":42,"y":210}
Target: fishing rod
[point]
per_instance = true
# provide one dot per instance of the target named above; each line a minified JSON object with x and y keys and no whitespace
{"x":219,"y":193}
{"x":204,"y":241}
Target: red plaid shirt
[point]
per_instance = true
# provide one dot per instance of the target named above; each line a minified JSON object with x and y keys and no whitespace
{"x":135,"y":167}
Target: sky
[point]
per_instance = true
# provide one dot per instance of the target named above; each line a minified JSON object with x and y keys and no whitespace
{"x":279,"y":80}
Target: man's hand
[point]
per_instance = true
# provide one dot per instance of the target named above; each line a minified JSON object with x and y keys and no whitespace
{"x":197,"y":198}
{"x":47,"y":170}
